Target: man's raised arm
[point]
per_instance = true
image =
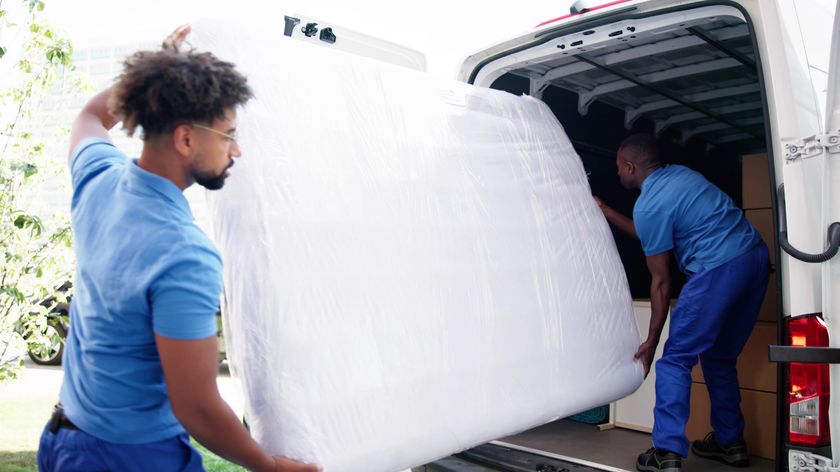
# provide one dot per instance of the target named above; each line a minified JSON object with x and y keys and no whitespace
{"x":93,"y":121}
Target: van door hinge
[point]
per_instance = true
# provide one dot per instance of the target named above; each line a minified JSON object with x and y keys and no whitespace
{"x":812,"y":146}
{"x":801,"y":461}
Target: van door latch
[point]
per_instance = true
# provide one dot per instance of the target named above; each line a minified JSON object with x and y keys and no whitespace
{"x":812,"y":146}
{"x":801,"y":461}
{"x":309,"y":30}
{"x":327,"y":35}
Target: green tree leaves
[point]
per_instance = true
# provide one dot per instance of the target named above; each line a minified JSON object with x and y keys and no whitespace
{"x":35,"y":244}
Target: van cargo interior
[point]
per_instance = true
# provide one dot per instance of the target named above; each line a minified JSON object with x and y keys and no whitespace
{"x":694,"y":84}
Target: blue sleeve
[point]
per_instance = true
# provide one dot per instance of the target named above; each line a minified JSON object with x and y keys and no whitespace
{"x":90,"y":158}
{"x":655,"y":230}
{"x":185,"y":296}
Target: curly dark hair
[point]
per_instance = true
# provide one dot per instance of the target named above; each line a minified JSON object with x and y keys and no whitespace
{"x":159,"y":90}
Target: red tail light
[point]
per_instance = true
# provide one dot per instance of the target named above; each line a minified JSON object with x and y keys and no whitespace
{"x":808,"y":387}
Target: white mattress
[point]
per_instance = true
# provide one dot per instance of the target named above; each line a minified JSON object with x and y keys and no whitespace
{"x":413,"y":266}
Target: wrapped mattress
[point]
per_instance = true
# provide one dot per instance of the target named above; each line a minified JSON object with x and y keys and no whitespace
{"x":413,"y":266}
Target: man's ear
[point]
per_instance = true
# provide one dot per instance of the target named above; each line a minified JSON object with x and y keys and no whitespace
{"x":183,"y":140}
{"x":631,"y":167}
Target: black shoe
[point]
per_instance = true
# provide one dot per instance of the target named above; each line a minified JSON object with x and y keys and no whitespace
{"x":658,"y":460}
{"x":733,"y":454}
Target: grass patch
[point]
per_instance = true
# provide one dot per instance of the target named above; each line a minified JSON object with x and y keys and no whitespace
{"x":25,"y":407}
{"x":214,"y":463}
{"x":23,"y":421}
{"x":25,"y":461}
{"x":19,"y":461}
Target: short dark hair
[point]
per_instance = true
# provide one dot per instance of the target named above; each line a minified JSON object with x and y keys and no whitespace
{"x":643,"y":149}
{"x":159,"y":90}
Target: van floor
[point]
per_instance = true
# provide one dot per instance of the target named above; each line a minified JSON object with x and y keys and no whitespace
{"x":614,"y":447}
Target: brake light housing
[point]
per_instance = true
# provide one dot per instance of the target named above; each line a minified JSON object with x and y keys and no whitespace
{"x":808,"y":385}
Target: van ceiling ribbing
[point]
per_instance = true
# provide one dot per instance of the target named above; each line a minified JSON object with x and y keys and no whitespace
{"x":699,"y":77}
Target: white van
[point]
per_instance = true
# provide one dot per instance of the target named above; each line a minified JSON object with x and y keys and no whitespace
{"x":715,"y":81}
{"x":731,"y":88}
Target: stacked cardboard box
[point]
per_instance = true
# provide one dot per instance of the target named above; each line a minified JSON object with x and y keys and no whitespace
{"x":756,"y":376}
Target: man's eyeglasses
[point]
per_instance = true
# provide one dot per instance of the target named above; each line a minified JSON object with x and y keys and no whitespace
{"x":231,"y":138}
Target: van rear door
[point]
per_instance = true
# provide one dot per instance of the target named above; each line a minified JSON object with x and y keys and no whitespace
{"x":831,"y":270}
{"x":816,"y":216}
{"x":339,"y":38}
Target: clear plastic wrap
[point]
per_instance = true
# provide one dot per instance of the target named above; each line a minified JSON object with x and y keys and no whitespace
{"x":412,"y":265}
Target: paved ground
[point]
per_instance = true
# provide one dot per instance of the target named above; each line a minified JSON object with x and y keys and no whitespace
{"x":45,"y":379}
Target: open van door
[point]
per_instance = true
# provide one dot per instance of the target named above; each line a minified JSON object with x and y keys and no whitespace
{"x":343,"y":39}
{"x":814,"y":344}
{"x":323,"y":34}
{"x":831,"y":270}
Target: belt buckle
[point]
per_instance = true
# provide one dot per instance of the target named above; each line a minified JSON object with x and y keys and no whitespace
{"x":55,"y":419}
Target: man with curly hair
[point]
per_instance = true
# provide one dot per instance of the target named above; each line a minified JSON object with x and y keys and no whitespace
{"x":141,"y":357}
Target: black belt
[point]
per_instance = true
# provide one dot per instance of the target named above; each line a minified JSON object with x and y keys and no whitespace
{"x":58,"y":420}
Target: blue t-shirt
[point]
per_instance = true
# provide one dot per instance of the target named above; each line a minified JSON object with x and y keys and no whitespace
{"x":679,"y":209}
{"x":143,"y":267}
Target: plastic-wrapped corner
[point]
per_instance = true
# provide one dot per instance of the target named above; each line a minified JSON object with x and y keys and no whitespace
{"x":413,"y":266}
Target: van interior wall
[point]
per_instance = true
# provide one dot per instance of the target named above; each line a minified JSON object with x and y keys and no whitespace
{"x":596,"y":137}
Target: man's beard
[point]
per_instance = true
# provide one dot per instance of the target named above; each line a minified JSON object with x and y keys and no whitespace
{"x":211,"y":181}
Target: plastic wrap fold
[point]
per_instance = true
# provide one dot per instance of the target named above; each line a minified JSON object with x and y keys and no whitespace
{"x":412,"y":265}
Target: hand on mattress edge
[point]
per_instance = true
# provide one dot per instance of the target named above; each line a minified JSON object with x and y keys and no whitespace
{"x":615,"y":218}
{"x":176,"y":38}
{"x":284,"y":464}
{"x":645,"y":354}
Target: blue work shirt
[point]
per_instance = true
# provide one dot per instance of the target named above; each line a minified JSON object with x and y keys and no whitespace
{"x":679,"y":209}
{"x":143,"y":267}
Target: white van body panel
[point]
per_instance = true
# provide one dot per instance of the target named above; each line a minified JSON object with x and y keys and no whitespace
{"x":831,"y":270}
{"x":801,"y":91}
{"x":815,"y":20}
{"x":794,"y":115}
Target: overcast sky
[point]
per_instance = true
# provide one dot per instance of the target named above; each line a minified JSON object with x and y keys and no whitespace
{"x":444,"y":30}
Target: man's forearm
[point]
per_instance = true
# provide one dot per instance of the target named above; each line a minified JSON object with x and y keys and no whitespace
{"x":660,"y":297}
{"x":213,"y":424}
{"x":620,"y":221}
{"x":93,"y":121}
{"x":190,"y":367}
{"x":97,"y":107}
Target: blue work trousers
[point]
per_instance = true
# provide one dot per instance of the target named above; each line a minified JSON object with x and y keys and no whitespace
{"x":71,"y":450}
{"x":712,"y":320}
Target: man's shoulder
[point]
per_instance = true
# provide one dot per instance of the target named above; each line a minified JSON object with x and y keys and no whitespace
{"x":95,"y":151}
{"x":680,"y":171}
{"x":185,"y":240}
{"x":661,"y":187}
{"x":92,"y":158}
{"x":676,"y":179}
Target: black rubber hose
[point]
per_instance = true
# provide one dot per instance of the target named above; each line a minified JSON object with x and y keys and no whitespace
{"x":833,"y":245}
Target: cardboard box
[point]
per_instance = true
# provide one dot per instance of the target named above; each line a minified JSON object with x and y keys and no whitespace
{"x":754,"y":371}
{"x":762,"y":221}
{"x":755,"y":182}
{"x":759,"y":409}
